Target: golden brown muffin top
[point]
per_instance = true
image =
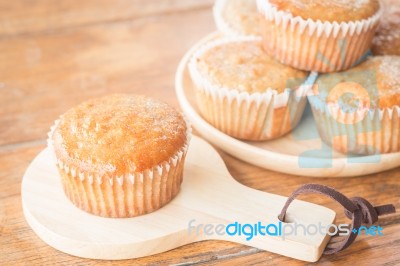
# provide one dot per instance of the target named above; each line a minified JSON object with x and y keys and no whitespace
{"x":242,"y":16}
{"x":373,"y":84}
{"x":245,"y":66}
{"x":329,"y":10}
{"x":119,"y":134}
{"x":387,"y":38}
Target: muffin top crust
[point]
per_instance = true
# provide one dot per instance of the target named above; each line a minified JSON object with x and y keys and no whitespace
{"x":119,"y":134}
{"x":373,"y":84}
{"x":329,"y":10}
{"x":242,"y":16}
{"x":387,"y":38}
{"x":245,"y":67}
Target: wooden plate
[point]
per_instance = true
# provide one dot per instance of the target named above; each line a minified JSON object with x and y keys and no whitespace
{"x":299,"y":153}
{"x":209,"y":195}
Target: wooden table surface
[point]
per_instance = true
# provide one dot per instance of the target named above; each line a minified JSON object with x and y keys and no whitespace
{"x":56,"y":54}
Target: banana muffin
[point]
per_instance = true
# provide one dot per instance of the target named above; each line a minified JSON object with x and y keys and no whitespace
{"x":244,"y":92}
{"x":357,"y":111}
{"x":323,"y":36}
{"x":120,"y":155}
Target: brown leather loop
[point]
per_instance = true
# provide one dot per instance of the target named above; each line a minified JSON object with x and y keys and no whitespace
{"x":370,"y":213}
{"x":359,"y":210}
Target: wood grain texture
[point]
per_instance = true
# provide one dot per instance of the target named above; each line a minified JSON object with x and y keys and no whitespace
{"x":208,"y":195}
{"x":42,"y":76}
{"x":27,"y":17}
{"x":44,"y":73}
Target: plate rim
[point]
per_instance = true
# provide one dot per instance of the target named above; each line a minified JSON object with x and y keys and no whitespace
{"x":196,"y":119}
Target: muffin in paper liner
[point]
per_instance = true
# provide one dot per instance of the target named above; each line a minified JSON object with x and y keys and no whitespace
{"x":237,"y":17}
{"x":365,"y":131}
{"x":387,"y":37}
{"x":358,"y":111}
{"x":121,"y":196}
{"x":254,"y":116}
{"x":315,"y":45}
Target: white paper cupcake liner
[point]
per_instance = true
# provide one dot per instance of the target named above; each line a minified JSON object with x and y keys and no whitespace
{"x":127,"y":195}
{"x":364,"y":131}
{"x":315,"y":45}
{"x":243,"y":115}
{"x":222,"y":25}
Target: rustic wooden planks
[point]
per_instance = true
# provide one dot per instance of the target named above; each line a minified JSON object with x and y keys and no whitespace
{"x":53,"y":56}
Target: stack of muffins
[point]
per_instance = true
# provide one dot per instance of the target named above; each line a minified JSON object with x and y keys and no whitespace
{"x":253,"y":83}
{"x":123,"y":155}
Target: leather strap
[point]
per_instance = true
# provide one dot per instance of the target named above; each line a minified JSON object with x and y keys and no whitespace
{"x":359,"y":210}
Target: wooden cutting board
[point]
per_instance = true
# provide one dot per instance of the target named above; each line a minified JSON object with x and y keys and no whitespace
{"x":209,"y":195}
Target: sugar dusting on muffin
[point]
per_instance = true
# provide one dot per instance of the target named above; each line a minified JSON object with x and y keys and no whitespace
{"x":243,"y":92}
{"x":245,"y":66}
{"x":120,"y":155}
{"x":387,"y":38}
{"x":358,"y":110}
{"x":119,"y":125}
{"x":241,"y":16}
{"x":389,"y":26}
{"x":390,"y":67}
{"x":329,"y":10}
